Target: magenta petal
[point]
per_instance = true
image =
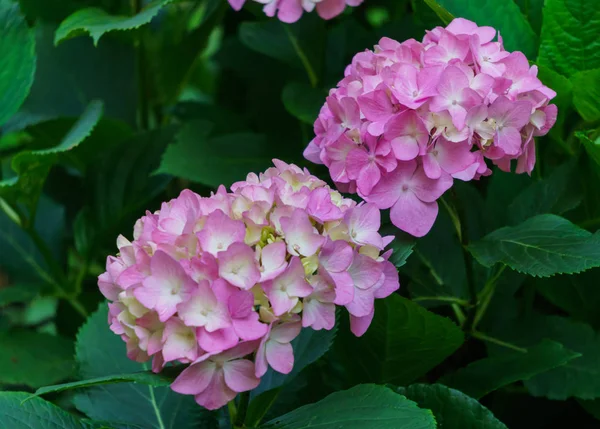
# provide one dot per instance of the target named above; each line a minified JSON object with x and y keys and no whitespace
{"x":429,"y":190}
{"x":362,"y":304}
{"x":412,"y":215}
{"x":359,"y":325}
{"x":217,"y":394}
{"x":328,"y":9}
{"x":289,"y":11}
{"x":280,"y":356}
{"x":239,"y":375}
{"x":195,"y":378}
{"x":385,"y":194}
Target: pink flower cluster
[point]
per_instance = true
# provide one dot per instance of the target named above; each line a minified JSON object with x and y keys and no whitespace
{"x":291,"y":10}
{"x":225,"y":283}
{"x":410,"y":117}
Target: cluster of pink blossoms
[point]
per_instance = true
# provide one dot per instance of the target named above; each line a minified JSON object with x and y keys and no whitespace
{"x":225,"y":283}
{"x":291,"y":10}
{"x":410,"y":117}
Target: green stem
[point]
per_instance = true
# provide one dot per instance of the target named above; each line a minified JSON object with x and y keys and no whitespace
{"x":483,"y":337}
{"x":240,"y":415}
{"x":449,"y":299}
{"x":460,"y":315}
{"x":232,"y":411}
{"x":590,"y":223}
{"x":312,"y":76}
{"x":486,"y":296}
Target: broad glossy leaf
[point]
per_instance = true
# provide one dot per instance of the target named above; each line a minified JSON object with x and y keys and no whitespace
{"x":486,"y":375}
{"x":21,"y":362}
{"x":363,"y":407}
{"x":451,"y":408}
{"x":404,"y":342}
{"x":569,"y":41}
{"x":18,"y":293}
{"x":542,"y":246}
{"x":586,"y":93}
{"x":503,"y":15}
{"x":215,"y":160}
{"x":101,"y":353}
{"x":17,"y":59}
{"x":303,"y":101}
{"x":97,"y":22}
{"x":36,"y":413}
{"x":592,"y":147}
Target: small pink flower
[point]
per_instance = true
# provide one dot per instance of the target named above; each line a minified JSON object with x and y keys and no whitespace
{"x":285,"y":290}
{"x":275,"y":349}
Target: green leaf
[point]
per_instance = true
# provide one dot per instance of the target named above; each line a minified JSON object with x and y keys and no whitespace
{"x":592,"y":406}
{"x":558,"y":193}
{"x":101,"y":353}
{"x":146,"y":377}
{"x":34,"y":414}
{"x":18,"y":293}
{"x":503,"y":15}
{"x":402,"y":246}
{"x":309,"y":346}
{"x":214,"y":161}
{"x":363,"y":407}
{"x":532,"y":9}
{"x":569,"y":41}
{"x":578,"y":295}
{"x":21,"y":362}
{"x":586,"y":93}
{"x":542,"y":246}
{"x":442,"y":13}
{"x":592,"y":147}
{"x":259,"y":407}
{"x":563,"y":87}
{"x":303,"y":101}
{"x":404,"y":342}
{"x":451,"y":408}
{"x":17,"y":51}
{"x":579,"y":377}
{"x":486,"y":375}
{"x":96,"y":22}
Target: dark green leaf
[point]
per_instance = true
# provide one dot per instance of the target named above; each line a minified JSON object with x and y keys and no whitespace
{"x":17,"y":64}
{"x":215,"y":160}
{"x":404,"y":342}
{"x":592,"y":406}
{"x":451,"y":408}
{"x":569,"y":41}
{"x":97,"y":22}
{"x":18,"y":293}
{"x":363,"y":407}
{"x":503,"y":15}
{"x":542,"y":246}
{"x":442,"y":13}
{"x":532,"y":9}
{"x":101,"y":353}
{"x":34,"y":414}
{"x":21,"y":362}
{"x":303,"y":101}
{"x":592,"y":147}
{"x":486,"y":375}
{"x":259,"y":406}
{"x":586,"y":93}
{"x":562,"y":86}
{"x":402,"y":246}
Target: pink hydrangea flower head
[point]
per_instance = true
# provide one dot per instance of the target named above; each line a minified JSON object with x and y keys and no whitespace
{"x":408,"y":118}
{"x":225,"y":283}
{"x":290,"y":11}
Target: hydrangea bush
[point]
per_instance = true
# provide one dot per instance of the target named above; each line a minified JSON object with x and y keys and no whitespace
{"x":272,"y":300}
{"x":408,"y":118}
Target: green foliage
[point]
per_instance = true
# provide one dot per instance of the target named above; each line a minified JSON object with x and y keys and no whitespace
{"x":586,"y":93}
{"x":362,"y":407}
{"x":451,"y":408}
{"x":35,"y":413}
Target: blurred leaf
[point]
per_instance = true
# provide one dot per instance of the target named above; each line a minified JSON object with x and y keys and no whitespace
{"x":503,"y":15}
{"x":563,"y":87}
{"x":94,"y":424}
{"x":302,"y":101}
{"x":37,"y":413}
{"x":586,"y":93}
{"x":18,"y":293}
{"x":21,"y":362}
{"x":442,"y":13}
{"x":558,"y":193}
{"x":145,"y":378}
{"x":592,"y":147}
{"x":215,"y":160}
{"x":363,"y":407}
{"x":569,"y":41}
{"x":542,"y":246}
{"x":47,"y":10}
{"x":532,"y":9}
{"x":17,"y":59}
{"x":101,"y":353}
{"x":309,"y":346}
{"x":578,"y":295}
{"x":404,"y":342}
{"x":259,"y":406}
{"x":486,"y":375}
{"x":451,"y":408}
{"x":97,"y":22}
{"x":592,"y":406}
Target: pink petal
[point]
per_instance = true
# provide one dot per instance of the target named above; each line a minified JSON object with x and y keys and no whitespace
{"x":219,"y":232}
{"x":389,"y":188}
{"x":318,"y":315}
{"x":217,"y":394}
{"x":195,"y":378}
{"x":249,"y":328}
{"x":239,"y":375}
{"x":362,"y":304}
{"x":391,"y":282}
{"x":320,"y":206}
{"x":412,"y":215}
{"x":359,"y":325}
{"x":328,"y":9}
{"x":289,"y":11}
{"x":365,"y":271}
{"x":300,"y":236}
{"x":217,"y":341}
{"x":238,"y":266}
{"x":336,"y":256}
{"x":273,"y":260}
{"x":429,"y":190}
{"x":280,"y":356}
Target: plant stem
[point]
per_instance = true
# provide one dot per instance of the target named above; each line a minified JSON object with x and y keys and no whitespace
{"x":486,"y":296}
{"x":450,"y":299}
{"x":242,"y":408}
{"x":312,"y":76}
{"x":484,"y":337}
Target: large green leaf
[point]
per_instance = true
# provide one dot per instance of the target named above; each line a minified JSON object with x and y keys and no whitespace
{"x":586,"y":93}
{"x":404,"y":342}
{"x":451,"y":408}
{"x":17,"y":59}
{"x":486,"y":375}
{"x":592,"y":147}
{"x":578,"y":295}
{"x":215,"y":160}
{"x":579,"y":377}
{"x":21,"y":359}
{"x":18,"y":293}
{"x":542,"y":246}
{"x":303,"y":101}
{"x":503,"y":15}
{"x":362,"y":407}
{"x":34,"y":414}
{"x":97,"y":22}
{"x":569,"y":41}
{"x":101,"y":353}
